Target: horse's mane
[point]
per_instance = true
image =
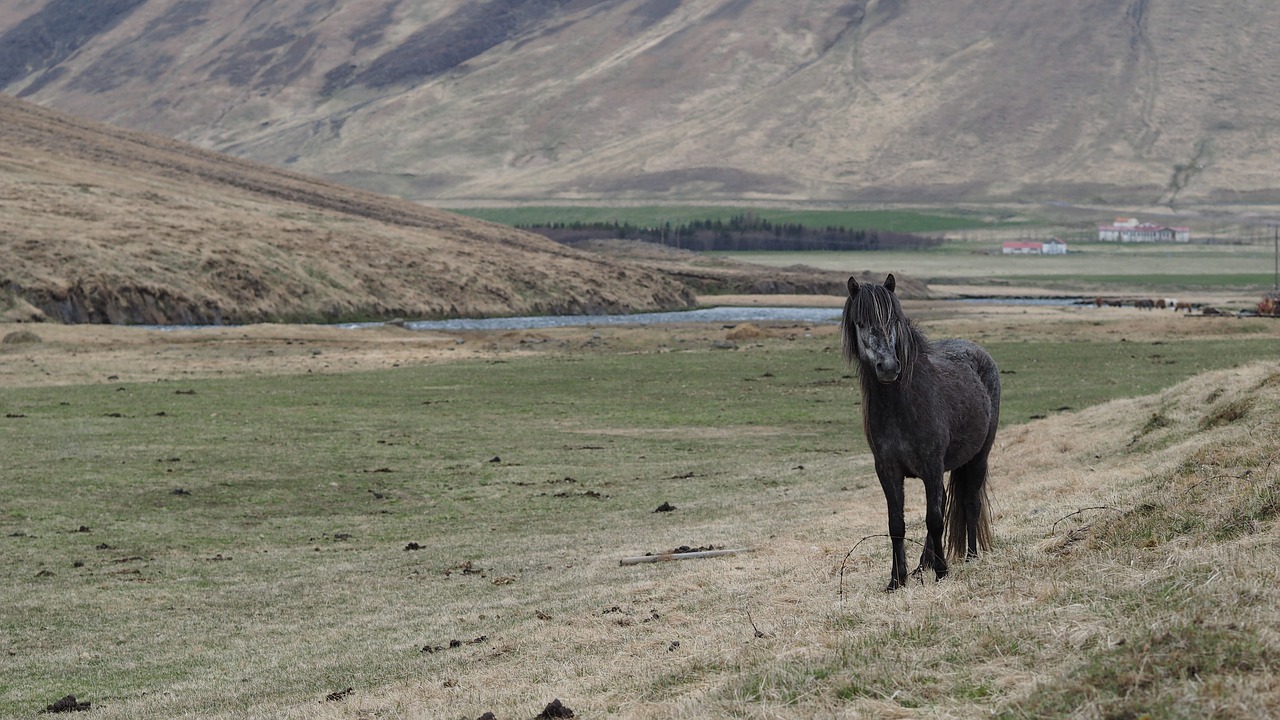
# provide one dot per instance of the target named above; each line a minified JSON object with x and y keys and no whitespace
{"x":876,"y":305}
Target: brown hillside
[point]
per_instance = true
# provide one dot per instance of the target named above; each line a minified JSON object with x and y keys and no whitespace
{"x":101,"y":225}
{"x":1096,"y":101}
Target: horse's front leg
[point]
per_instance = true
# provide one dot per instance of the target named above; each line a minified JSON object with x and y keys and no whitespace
{"x":935,"y":496}
{"x":891,"y":483}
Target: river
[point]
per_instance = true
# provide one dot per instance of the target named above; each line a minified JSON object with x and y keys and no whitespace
{"x":722,"y":314}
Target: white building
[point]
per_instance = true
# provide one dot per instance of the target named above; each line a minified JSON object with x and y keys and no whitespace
{"x":1027,"y":247}
{"x":1133,"y":230}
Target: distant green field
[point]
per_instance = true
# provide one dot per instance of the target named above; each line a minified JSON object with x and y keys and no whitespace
{"x":977,"y":259}
{"x":1197,"y":281}
{"x":895,"y":220}
{"x":1150,"y":267}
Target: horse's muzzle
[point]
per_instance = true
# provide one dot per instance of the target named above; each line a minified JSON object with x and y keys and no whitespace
{"x":888,"y":372}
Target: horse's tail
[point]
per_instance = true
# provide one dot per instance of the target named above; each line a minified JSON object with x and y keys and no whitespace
{"x":968,"y":509}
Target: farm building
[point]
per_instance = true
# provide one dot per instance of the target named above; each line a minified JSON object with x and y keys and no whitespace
{"x":1053,"y":246}
{"x":1133,"y":230}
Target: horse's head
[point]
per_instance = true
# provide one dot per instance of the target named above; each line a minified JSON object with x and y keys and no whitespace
{"x":876,"y":332}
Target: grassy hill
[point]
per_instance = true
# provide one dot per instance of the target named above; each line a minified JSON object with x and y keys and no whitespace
{"x":928,"y":101}
{"x":103,"y":225}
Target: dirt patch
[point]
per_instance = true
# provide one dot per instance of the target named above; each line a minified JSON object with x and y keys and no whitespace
{"x":17,"y":337}
{"x":745,"y":331}
{"x":67,"y":704}
{"x":554,"y":709}
{"x":339,"y":695}
{"x":429,"y":649}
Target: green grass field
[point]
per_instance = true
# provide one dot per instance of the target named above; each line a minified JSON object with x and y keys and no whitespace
{"x":234,"y":548}
{"x":973,"y":255}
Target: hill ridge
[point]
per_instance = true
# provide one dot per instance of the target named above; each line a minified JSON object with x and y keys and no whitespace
{"x":106,"y":225}
{"x":856,"y":102}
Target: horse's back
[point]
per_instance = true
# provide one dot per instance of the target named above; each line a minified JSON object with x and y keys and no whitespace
{"x":964,"y":361}
{"x":964,"y":353}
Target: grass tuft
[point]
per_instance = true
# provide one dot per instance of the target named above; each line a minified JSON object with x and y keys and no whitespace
{"x":1160,"y":673}
{"x":1226,"y":413}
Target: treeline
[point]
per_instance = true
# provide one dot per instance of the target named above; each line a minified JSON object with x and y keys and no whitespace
{"x":744,"y":232}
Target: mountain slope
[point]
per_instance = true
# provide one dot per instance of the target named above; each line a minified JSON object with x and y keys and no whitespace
{"x":860,"y":100}
{"x":102,"y":225}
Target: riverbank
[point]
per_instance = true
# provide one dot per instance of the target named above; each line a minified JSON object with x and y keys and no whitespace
{"x":87,"y":354}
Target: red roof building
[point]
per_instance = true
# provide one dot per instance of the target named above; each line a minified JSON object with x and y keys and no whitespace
{"x":1028,"y":247}
{"x":1132,"y":230}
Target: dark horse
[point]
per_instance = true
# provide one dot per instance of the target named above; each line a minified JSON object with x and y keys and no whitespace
{"x":927,"y":408}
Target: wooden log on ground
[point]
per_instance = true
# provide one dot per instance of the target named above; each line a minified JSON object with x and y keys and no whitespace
{"x":664,"y":557}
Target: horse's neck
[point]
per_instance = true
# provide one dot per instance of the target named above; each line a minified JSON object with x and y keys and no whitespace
{"x":897,"y":399}
{"x":878,"y":394}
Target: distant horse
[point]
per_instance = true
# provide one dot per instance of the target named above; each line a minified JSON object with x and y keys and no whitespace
{"x":927,"y":408}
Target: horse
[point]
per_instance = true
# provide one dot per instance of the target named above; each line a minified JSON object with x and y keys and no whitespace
{"x":928,"y":407}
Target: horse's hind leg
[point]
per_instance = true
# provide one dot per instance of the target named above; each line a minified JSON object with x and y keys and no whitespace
{"x":967,"y":514}
{"x":935,"y":496}
{"x":975,"y":476}
{"x":976,"y":515}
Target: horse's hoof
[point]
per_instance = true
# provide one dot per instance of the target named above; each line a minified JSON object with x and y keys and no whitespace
{"x":938,"y":572}
{"x":893,"y":585}
{"x":919,"y":572}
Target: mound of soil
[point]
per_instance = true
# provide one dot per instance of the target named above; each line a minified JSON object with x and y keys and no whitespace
{"x":554,"y":709}
{"x":70,"y":704}
{"x":18,"y":337}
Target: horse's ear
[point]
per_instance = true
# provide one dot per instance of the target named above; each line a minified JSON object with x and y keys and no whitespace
{"x":889,"y":283}
{"x":853,"y":286}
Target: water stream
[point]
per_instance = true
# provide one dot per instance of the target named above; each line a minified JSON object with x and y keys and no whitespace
{"x":721,"y":314}
{"x":724,"y":314}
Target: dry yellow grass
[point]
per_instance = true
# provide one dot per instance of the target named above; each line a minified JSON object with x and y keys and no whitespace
{"x":765,"y":635}
{"x":99,"y":224}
